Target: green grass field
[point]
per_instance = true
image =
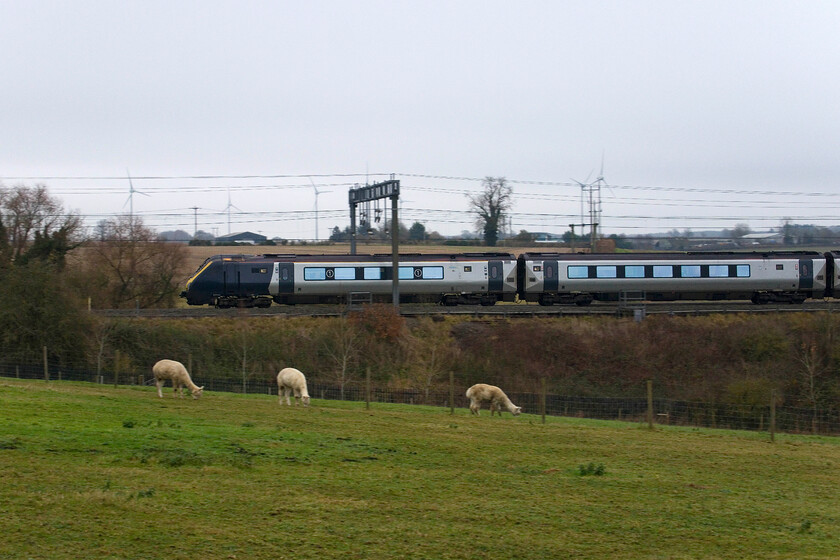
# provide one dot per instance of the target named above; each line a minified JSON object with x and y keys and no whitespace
{"x":92,"y":471}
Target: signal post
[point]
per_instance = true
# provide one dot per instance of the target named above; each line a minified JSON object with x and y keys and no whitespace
{"x":387,"y":189}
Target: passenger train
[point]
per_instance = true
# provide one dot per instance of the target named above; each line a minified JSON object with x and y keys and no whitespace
{"x":486,"y":278}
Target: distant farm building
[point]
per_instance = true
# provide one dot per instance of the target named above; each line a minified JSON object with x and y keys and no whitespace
{"x":766,"y":238}
{"x":545,"y":237}
{"x":247,"y":237}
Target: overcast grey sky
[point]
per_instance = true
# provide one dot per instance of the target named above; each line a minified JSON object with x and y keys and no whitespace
{"x":707,"y":114}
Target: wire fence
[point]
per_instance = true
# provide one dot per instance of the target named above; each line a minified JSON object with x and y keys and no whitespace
{"x":659,"y":411}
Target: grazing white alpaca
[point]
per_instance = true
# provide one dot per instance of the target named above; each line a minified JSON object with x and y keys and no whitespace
{"x":289,"y":380}
{"x":170,"y":369}
{"x":482,"y":392}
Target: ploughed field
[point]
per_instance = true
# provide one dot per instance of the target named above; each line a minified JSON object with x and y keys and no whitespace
{"x":95,"y":471}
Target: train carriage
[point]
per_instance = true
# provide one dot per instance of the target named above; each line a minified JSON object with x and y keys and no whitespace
{"x":832,"y":267}
{"x":259,"y":280}
{"x":580,"y":278}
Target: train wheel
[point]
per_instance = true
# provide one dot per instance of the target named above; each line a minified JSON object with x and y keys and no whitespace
{"x":760,"y":298}
{"x":449,"y":300}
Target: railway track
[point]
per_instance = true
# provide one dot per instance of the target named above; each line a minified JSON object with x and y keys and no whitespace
{"x":637,"y":309}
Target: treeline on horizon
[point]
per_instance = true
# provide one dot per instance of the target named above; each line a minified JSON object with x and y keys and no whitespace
{"x":786,"y":236}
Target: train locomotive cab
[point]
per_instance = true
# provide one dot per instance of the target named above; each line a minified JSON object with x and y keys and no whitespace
{"x":230,"y":281}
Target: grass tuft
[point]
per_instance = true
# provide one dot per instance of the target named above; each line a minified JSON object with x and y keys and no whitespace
{"x":591,"y":470}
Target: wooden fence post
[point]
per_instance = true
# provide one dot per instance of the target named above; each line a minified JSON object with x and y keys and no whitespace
{"x":116,"y":368}
{"x":451,"y":393}
{"x":772,"y":415}
{"x":46,"y":366}
{"x":650,"y":403}
{"x":367,"y":388}
{"x":244,"y":375}
{"x":542,"y":398}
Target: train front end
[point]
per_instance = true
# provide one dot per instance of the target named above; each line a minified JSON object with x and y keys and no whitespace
{"x":206,"y":283}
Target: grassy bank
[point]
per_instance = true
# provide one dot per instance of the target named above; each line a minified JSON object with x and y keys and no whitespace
{"x":97,"y":472}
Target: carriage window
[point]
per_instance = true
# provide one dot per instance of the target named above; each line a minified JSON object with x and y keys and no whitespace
{"x":690,"y":271}
{"x":743,"y":270}
{"x":605,"y":271}
{"x":578,"y":271}
{"x":467,"y":268}
{"x":549,"y":272}
{"x":373,"y":273}
{"x":718,"y":271}
{"x":319,"y":273}
{"x":663,"y":271}
{"x":284,"y":274}
{"x":345,"y":273}
{"x":433,"y":272}
{"x":537,"y":268}
{"x":406,"y":272}
{"x":634,"y":271}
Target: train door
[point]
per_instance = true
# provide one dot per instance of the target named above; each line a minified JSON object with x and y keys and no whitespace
{"x":806,"y":274}
{"x":550,"y":279}
{"x":286,"y":278}
{"x":495,"y":276}
{"x":231,"y":279}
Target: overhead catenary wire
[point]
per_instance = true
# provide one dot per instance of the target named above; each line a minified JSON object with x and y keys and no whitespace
{"x":767,"y":208}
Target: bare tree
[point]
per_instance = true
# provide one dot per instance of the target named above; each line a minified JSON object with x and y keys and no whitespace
{"x":815,"y":355}
{"x":491,"y":207}
{"x":431,"y":354}
{"x":35,"y":225}
{"x":133,"y":267}
{"x":341,"y":344}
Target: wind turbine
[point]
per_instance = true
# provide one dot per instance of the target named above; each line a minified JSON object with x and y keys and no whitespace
{"x":130,"y":200}
{"x":227,"y":209}
{"x":317,"y":192}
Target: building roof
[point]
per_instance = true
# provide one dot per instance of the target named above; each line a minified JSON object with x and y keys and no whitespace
{"x":764,"y":235}
{"x":243,"y":236}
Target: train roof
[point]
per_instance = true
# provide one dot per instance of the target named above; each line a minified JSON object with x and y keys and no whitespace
{"x":383,"y":257}
{"x":690,"y":255}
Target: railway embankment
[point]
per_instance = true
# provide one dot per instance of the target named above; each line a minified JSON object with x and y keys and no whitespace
{"x":734,"y":358}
